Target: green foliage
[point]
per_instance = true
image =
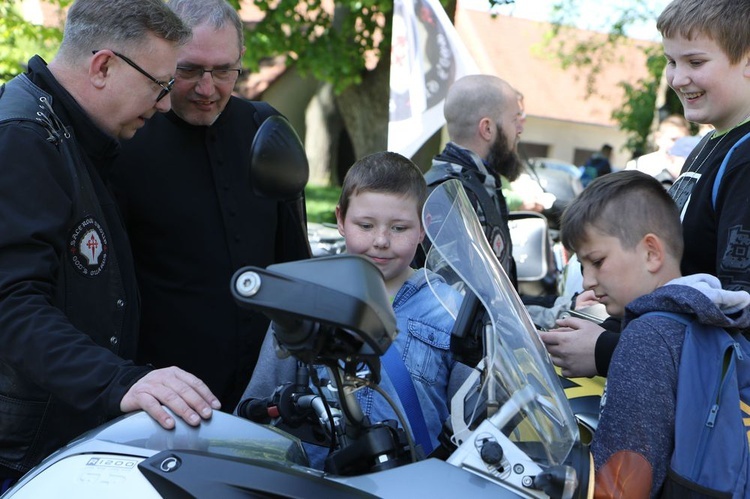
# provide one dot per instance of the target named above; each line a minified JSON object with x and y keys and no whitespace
{"x":321,"y":202}
{"x":637,"y":113}
{"x":594,"y":54}
{"x":20,"y":39}
{"x":329,"y":46}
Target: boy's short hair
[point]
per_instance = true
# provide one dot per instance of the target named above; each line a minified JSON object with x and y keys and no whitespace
{"x":627,"y":205}
{"x":723,"y":21}
{"x":384,"y":172}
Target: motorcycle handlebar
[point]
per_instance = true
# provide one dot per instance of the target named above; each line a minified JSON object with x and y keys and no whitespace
{"x":258,"y":410}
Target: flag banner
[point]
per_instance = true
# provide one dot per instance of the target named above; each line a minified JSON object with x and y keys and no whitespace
{"x":427,"y":56}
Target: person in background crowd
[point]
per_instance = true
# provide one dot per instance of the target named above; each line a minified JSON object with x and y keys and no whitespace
{"x":661,"y":163}
{"x":485,"y":121}
{"x":597,"y":165}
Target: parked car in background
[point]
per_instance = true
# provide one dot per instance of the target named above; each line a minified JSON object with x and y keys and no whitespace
{"x":556,"y":177}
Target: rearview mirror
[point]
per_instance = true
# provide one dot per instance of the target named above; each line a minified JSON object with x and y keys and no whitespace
{"x":278,"y":163}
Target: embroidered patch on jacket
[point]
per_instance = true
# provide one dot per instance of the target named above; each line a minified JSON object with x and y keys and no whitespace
{"x":88,"y":247}
{"x":497,"y":241}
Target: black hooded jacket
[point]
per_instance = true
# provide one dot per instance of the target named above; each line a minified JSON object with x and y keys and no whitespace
{"x":68,"y":299}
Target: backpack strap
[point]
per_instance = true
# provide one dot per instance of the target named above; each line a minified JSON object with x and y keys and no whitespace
{"x":407,"y":394}
{"x":723,"y":167}
{"x":683,"y":318}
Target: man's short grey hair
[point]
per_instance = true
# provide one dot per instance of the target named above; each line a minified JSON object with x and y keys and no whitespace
{"x":114,"y":24}
{"x":217,"y":13}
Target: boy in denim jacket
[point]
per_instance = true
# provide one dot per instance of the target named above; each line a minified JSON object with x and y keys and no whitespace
{"x":379,"y":216}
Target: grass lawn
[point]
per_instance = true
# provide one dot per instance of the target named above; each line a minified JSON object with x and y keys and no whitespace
{"x":320,"y":203}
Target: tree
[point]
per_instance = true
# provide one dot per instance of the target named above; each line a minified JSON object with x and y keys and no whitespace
{"x":643,"y":104}
{"x":19,"y":38}
{"x":347,"y":49}
{"x":344,"y":44}
{"x":636,"y":116}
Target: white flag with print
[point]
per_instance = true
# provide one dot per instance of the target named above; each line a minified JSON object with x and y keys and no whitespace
{"x":427,"y":56}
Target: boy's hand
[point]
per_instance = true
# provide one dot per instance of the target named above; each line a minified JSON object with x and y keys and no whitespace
{"x":586,"y":299}
{"x":186,"y":395}
{"x":572,"y":346}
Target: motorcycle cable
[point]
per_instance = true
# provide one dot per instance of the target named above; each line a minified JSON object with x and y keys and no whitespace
{"x":407,"y":430}
{"x":316,"y":383}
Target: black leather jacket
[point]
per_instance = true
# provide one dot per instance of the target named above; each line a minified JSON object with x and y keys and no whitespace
{"x":68,"y":299}
{"x":492,"y":210}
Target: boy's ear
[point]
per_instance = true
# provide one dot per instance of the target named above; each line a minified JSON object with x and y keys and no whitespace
{"x":339,"y":220}
{"x":655,"y":252}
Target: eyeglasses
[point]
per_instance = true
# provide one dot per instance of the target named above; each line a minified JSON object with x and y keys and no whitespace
{"x":194,"y":74}
{"x":166,"y":87}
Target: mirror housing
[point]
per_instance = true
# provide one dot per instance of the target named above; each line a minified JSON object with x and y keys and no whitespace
{"x":278,"y":163}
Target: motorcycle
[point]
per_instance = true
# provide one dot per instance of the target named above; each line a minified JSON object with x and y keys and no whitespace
{"x":324,"y":239}
{"x":511,"y":432}
{"x":539,"y":258}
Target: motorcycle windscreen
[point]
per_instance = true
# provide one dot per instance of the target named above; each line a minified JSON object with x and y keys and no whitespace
{"x":514,"y":357}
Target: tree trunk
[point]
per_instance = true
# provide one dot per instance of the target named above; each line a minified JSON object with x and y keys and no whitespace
{"x":323,"y":126}
{"x":364,"y":110}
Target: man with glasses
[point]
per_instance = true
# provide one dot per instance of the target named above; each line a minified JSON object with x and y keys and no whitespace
{"x":69,"y":308}
{"x":166,"y":86}
{"x":191,"y":214}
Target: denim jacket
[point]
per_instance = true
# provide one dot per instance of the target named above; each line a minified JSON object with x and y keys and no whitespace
{"x":424,"y":343}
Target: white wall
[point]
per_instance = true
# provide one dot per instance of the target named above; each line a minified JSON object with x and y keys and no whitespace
{"x":564,"y":137}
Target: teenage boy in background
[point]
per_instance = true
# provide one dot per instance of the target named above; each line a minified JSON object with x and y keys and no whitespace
{"x":707,"y":46}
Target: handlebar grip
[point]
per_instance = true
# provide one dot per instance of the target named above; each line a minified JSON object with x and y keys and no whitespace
{"x":256,"y":410}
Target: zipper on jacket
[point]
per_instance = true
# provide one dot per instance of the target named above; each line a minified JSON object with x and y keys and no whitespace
{"x":738,"y":351}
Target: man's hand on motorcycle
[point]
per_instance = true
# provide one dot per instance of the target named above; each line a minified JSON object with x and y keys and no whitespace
{"x":572,"y":346}
{"x":184,"y":394}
